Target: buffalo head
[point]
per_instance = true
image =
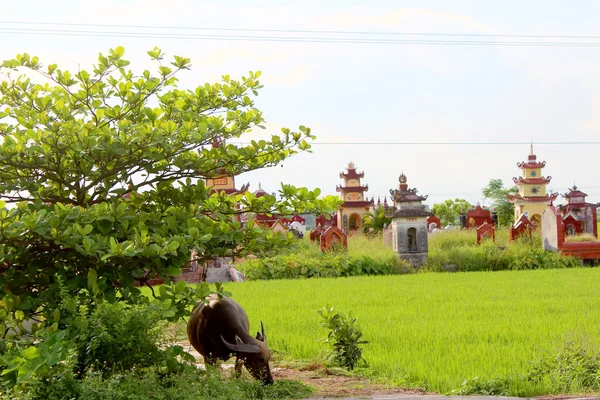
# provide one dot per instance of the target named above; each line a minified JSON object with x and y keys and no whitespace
{"x":255,"y":355}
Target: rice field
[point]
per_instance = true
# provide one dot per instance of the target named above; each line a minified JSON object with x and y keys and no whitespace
{"x":434,"y":330}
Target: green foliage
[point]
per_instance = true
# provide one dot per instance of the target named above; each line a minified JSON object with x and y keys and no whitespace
{"x":431,"y":330}
{"x":460,"y":248}
{"x":375,"y":220}
{"x":365,"y":256}
{"x":571,"y":370}
{"x":117,"y":351}
{"x":26,"y":359}
{"x":344,"y":337}
{"x":449,"y":210}
{"x":497,"y":193}
{"x":117,"y":337}
{"x":151,"y":384}
{"x":104,"y":169}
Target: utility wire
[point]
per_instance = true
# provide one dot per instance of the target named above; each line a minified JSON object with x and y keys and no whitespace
{"x":299,"y":39}
{"x":448,"y":143}
{"x":328,"y":32}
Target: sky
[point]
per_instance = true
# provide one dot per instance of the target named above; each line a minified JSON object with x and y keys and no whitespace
{"x":373,"y":93}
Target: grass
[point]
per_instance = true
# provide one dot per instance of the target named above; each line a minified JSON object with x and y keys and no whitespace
{"x":460,"y":248}
{"x":434,"y":331}
{"x":583,"y":237}
{"x":364,"y":256}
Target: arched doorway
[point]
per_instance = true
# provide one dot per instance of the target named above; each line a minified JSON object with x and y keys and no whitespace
{"x":412,"y":239}
{"x":354,"y":222}
{"x":571,"y":230}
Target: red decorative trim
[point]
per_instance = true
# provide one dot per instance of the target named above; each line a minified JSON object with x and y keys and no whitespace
{"x":533,"y":199}
{"x":352,"y":174}
{"x":532,"y":181}
{"x":351,"y":188}
{"x":535,"y":164}
{"x":575,"y":193}
{"x":357,"y":204}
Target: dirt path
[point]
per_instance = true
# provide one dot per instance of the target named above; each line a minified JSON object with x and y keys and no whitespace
{"x":330,"y":385}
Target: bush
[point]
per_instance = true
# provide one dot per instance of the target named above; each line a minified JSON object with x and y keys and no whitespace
{"x":365,"y":256}
{"x":117,"y":337}
{"x":460,"y":248}
{"x":117,"y":351}
{"x":344,"y":338}
{"x":150,"y":384}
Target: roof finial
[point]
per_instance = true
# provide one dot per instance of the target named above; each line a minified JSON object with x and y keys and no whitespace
{"x":259,"y":188}
{"x":531,"y":148}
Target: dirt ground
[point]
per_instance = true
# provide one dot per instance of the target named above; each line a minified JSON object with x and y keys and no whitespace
{"x":326,"y":382}
{"x":331,"y":383}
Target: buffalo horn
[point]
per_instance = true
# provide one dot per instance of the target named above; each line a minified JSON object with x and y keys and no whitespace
{"x":241,"y":347}
{"x":262,"y":329}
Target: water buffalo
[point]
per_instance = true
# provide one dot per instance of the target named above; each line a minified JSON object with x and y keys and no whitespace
{"x":219,"y":329}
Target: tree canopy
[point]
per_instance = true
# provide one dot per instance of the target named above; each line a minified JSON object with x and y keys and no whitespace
{"x":106,"y":171}
{"x":497,"y":193}
{"x":448,"y":210}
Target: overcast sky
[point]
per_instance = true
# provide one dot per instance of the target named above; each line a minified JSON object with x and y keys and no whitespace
{"x":374,"y":93}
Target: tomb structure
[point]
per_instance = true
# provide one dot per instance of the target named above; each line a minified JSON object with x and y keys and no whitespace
{"x":578,"y":215}
{"x":532,"y":197}
{"x":350,"y":214}
{"x":409,"y":224}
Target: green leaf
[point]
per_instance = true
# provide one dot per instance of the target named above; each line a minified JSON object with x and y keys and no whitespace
{"x":173,"y":270}
{"x":56,"y":314}
{"x":92,"y":280}
{"x":30,"y":353}
{"x":180,"y":286}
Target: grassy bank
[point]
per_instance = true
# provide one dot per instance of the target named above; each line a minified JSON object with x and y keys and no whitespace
{"x":436,"y":330}
{"x":460,"y":248}
{"x":365,"y":256}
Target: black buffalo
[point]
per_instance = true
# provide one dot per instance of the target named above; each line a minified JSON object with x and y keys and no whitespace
{"x":219,"y":329}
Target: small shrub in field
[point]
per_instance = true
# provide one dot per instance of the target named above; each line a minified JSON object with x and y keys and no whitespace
{"x":344,"y":338}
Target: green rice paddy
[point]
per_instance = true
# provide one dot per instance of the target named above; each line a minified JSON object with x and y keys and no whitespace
{"x":435,"y":330}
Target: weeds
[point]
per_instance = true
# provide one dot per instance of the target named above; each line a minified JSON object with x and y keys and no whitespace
{"x":344,"y":337}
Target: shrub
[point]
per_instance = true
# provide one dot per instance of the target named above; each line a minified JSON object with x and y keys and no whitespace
{"x":460,"y":248}
{"x":344,"y":337}
{"x":365,"y":256}
{"x":571,"y":370}
{"x":150,"y":384}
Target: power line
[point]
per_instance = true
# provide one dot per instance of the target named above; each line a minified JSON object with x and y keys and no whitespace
{"x":329,"y":32}
{"x":298,"y":39}
{"x":446,"y":143}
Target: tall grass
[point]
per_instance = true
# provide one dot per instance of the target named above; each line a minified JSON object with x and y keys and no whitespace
{"x":460,"y":248}
{"x":365,"y":256}
{"x":434,"y":331}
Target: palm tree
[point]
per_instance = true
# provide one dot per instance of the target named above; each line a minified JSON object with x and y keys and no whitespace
{"x":376,"y":220}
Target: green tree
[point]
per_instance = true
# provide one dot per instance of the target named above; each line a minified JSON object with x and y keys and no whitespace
{"x":375,"y":220}
{"x":104,"y":168}
{"x":498,"y":194}
{"x":449,"y":210}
